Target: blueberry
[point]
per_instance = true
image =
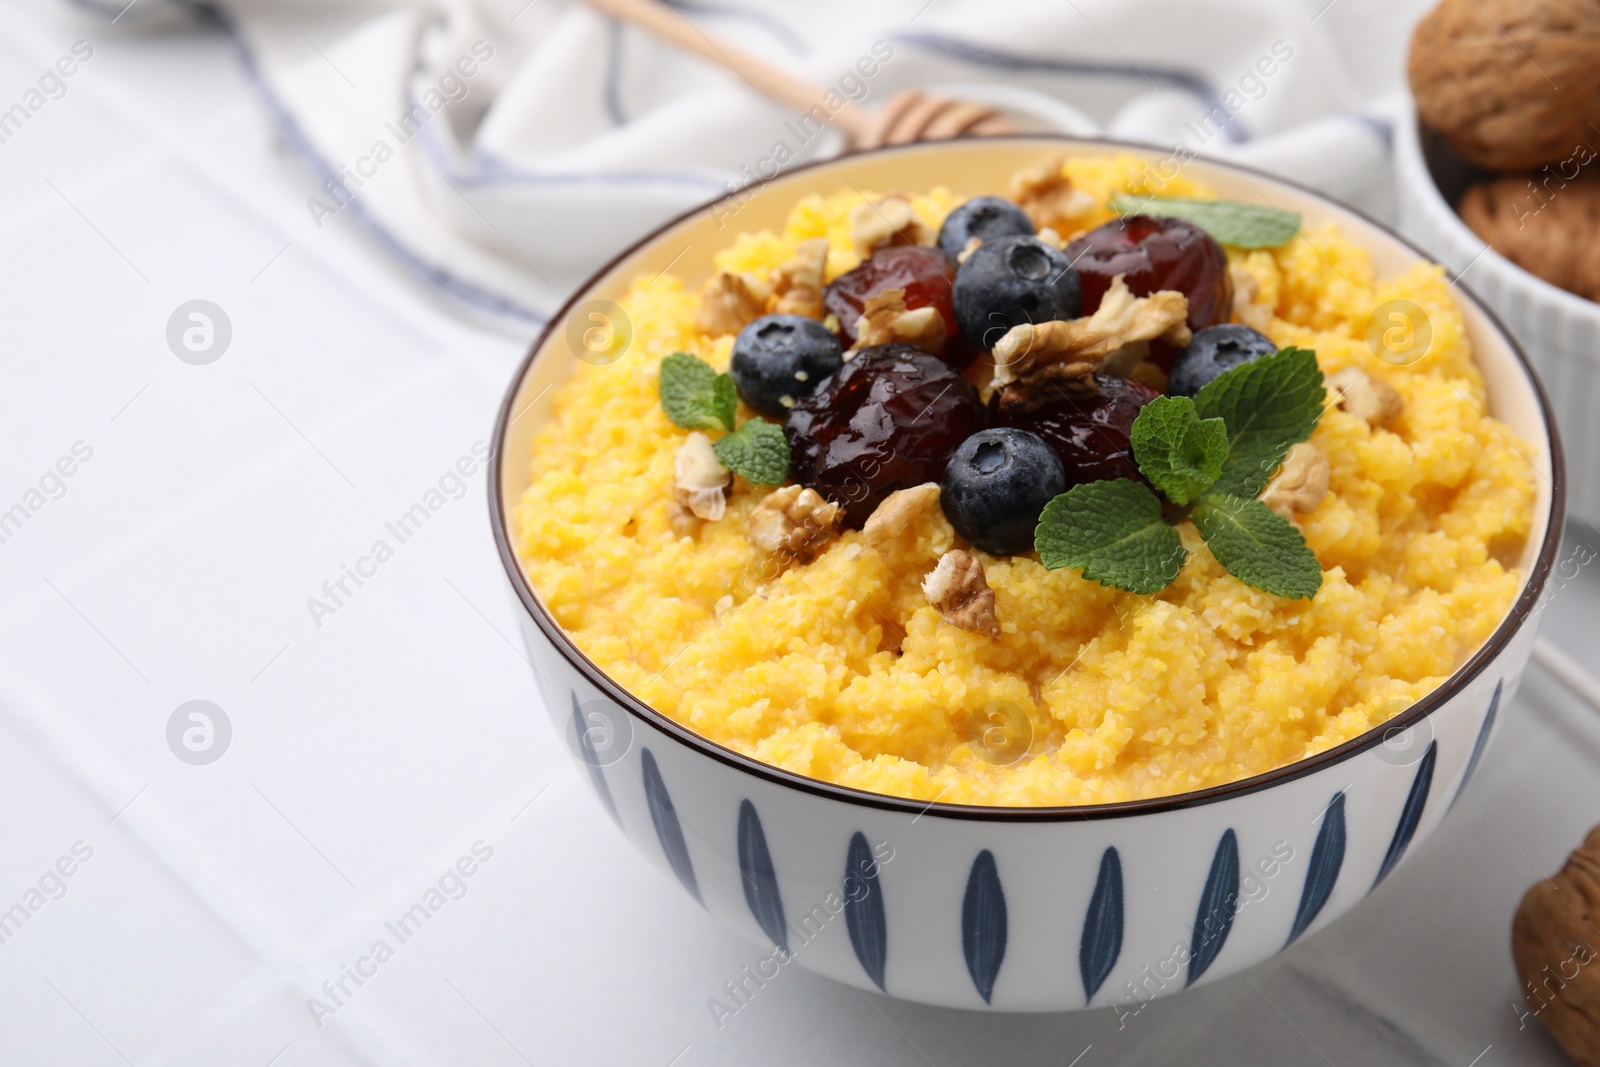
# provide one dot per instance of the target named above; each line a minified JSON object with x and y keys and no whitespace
{"x":1012,"y":280}
{"x":1213,"y":350}
{"x":995,"y":486}
{"x":987,"y":218}
{"x":778,"y":359}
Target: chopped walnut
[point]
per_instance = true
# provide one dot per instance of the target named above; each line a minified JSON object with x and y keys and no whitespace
{"x":973,"y":244}
{"x":699,"y":480}
{"x":890,"y":221}
{"x":682,"y":521}
{"x":729,"y":302}
{"x":1364,"y":396}
{"x":1049,"y":236}
{"x":898,"y":511}
{"x":794,"y":521}
{"x":1246,"y":293}
{"x":1048,"y":196}
{"x":797,"y":284}
{"x":959,"y":590}
{"x":885,"y":320}
{"x":1300,"y":483}
{"x":1116,"y":338}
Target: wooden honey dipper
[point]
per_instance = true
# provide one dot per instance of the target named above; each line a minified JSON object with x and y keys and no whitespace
{"x":908,"y":116}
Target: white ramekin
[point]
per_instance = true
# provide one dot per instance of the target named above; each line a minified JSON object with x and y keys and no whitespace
{"x":1560,"y":331}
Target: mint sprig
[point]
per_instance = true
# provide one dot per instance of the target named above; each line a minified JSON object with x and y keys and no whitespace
{"x":758,"y":451}
{"x":1181,"y":453}
{"x":1268,"y":405}
{"x":1210,"y":456}
{"x":695,"y":396}
{"x":1257,"y":545}
{"x":1111,"y":530}
{"x":1229,"y":221}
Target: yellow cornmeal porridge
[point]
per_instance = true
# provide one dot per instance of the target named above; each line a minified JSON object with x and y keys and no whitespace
{"x":1129,"y":696}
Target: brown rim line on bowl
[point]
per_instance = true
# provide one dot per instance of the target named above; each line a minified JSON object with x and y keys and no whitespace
{"x":1550,"y":504}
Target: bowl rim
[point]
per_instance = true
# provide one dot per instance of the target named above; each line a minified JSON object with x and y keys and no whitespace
{"x":1516,"y":617}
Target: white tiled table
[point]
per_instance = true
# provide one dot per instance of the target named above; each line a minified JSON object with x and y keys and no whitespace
{"x":371,"y":752}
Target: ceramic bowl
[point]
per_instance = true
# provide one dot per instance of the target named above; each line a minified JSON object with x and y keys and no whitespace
{"x":1015,"y":909}
{"x":1559,"y":330}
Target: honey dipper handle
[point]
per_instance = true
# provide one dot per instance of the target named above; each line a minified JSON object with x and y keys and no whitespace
{"x":659,"y":19}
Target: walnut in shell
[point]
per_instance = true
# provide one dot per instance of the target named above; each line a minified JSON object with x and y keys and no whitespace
{"x":1554,"y":942}
{"x":1511,"y":84}
{"x":1547,"y":227}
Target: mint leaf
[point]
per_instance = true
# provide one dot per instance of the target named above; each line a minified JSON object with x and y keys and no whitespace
{"x":1229,"y":221}
{"x":756,"y":450}
{"x":1179,"y":452}
{"x":694,"y":396}
{"x":1111,"y":530}
{"x":1268,"y":405}
{"x":1258,"y":546}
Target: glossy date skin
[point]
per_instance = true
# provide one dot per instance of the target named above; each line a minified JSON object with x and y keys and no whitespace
{"x":1091,"y":434}
{"x":926,"y":275}
{"x":1153,"y":254}
{"x":889,"y":420}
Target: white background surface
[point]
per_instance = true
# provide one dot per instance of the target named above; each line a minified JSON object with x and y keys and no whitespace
{"x":371,"y":752}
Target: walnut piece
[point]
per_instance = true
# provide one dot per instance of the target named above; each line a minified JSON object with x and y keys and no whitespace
{"x":898,"y":511}
{"x":699,"y":480}
{"x":683,"y":522}
{"x":890,"y":221}
{"x":797,"y":284}
{"x":958,"y":588}
{"x":729,"y":302}
{"x":1116,"y":338}
{"x":1301,"y":482}
{"x":1048,"y":196}
{"x":1364,"y":396}
{"x":1553,"y":942}
{"x":794,"y":521}
{"x":885,"y":320}
{"x":1048,"y":235}
{"x":1246,"y":293}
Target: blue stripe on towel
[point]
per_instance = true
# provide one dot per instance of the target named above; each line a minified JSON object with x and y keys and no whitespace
{"x":983,"y":55}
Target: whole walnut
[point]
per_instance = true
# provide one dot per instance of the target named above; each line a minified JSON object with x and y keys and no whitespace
{"x":1511,"y":84}
{"x":1545,"y":225}
{"x":1555,"y":944}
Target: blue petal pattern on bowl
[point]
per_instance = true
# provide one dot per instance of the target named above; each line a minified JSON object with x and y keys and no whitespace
{"x":1410,"y":815}
{"x":592,"y":761}
{"x":1327,"y":856}
{"x":760,"y":880}
{"x":863,"y":909}
{"x":668,"y":830}
{"x":1102,"y":926}
{"x":983,"y":924}
{"x":1482,"y":741}
{"x":1218,"y":902}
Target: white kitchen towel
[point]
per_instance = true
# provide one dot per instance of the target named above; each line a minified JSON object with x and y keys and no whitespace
{"x":501,"y":150}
